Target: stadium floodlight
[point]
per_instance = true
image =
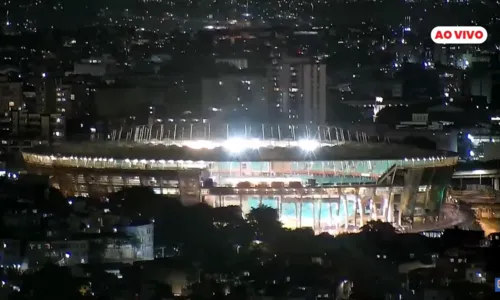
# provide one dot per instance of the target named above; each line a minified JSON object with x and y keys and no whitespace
{"x":309,"y":145}
{"x":200,"y":144}
{"x":236,"y":145}
{"x":255,"y":144}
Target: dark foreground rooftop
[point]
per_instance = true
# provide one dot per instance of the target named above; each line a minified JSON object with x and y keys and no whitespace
{"x":347,"y":151}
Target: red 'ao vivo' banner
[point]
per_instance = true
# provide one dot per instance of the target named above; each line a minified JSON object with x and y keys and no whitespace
{"x":453,"y":35}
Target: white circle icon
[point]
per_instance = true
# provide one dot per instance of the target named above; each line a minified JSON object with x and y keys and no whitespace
{"x":453,"y":35}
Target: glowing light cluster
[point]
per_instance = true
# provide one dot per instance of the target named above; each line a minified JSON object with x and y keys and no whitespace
{"x":238,"y":145}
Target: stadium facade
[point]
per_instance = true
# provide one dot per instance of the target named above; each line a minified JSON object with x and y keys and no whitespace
{"x":316,"y":176}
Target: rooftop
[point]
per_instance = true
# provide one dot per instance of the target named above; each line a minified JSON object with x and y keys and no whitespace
{"x":344,"y":151}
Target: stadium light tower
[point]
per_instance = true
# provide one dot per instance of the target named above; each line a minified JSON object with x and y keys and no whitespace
{"x":309,"y":145}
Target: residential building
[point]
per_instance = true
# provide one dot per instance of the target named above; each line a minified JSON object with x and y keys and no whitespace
{"x":63,"y":252}
{"x":299,"y":90}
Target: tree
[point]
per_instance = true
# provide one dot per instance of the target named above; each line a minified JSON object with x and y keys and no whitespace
{"x":54,"y":202}
{"x":51,"y":282}
{"x":162,"y":291}
{"x":230,"y":224}
{"x":228,"y":214}
{"x":379,"y":228}
{"x":382,"y":236}
{"x":103,"y":283}
{"x":265,"y":222}
{"x":287,"y":241}
{"x":136,"y":201}
{"x":361,"y":264}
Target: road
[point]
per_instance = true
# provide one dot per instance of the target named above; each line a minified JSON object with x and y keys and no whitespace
{"x":451,"y":215}
{"x":481,"y":199}
{"x":489,"y":226}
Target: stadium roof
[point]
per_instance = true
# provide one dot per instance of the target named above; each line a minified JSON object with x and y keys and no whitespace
{"x":345,"y":151}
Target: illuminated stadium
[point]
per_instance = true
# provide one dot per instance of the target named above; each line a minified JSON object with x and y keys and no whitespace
{"x":316,"y":176}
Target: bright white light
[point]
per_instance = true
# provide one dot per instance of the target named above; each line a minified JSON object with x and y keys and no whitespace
{"x":241,"y":144}
{"x":471,"y":153}
{"x":255,"y":144}
{"x":309,"y":145}
{"x":257,"y":180}
{"x":479,"y":172}
{"x":200,"y":144}
{"x":236,"y":145}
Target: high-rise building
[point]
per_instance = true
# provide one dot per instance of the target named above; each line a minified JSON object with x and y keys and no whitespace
{"x":299,"y":89}
{"x":11,"y":95}
{"x":236,"y":96}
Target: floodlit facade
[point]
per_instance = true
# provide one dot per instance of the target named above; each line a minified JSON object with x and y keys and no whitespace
{"x":140,"y":247}
{"x":316,"y":176}
{"x":144,"y":249}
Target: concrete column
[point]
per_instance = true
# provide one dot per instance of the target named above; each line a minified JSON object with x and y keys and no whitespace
{"x":343,"y":201}
{"x":358,"y":208}
{"x":161,"y":184}
{"x":390,"y":208}
{"x":297,"y":214}
{"x":411,"y":184}
{"x":361,"y":212}
{"x":279,"y":205}
{"x":338,"y":212}
{"x":383,"y":209}
{"x":373,"y":194}
{"x":373,"y":210}
{"x":300,"y":212}
{"x":316,"y":206}
{"x":330,"y":204}
{"x":496,"y":184}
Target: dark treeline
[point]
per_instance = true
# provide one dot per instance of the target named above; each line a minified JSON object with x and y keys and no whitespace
{"x":223,"y":240}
